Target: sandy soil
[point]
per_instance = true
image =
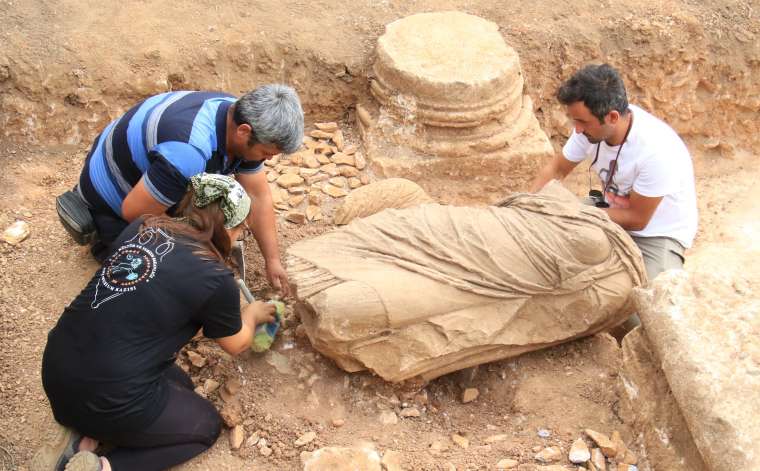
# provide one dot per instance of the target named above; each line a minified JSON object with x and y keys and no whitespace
{"x":64,"y":73}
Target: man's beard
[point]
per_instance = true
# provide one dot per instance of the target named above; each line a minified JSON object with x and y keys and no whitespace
{"x":593,"y":140}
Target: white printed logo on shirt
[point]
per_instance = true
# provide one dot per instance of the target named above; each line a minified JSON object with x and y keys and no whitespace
{"x":132,"y":264}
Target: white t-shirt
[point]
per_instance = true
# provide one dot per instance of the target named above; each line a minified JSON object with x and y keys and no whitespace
{"x":654,"y":162}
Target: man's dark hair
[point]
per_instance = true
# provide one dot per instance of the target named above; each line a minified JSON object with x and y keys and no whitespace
{"x":599,"y":87}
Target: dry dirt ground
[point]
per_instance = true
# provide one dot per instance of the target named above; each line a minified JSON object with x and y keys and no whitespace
{"x":65,"y":70}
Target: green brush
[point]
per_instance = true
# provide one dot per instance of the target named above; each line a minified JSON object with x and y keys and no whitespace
{"x":265,"y":333}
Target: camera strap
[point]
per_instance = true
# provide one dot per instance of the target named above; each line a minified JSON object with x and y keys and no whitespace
{"x":617,"y":155}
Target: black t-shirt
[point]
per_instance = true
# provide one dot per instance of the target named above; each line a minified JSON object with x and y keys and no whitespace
{"x":105,"y":359}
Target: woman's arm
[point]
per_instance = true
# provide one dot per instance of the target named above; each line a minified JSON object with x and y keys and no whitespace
{"x":252,"y":315}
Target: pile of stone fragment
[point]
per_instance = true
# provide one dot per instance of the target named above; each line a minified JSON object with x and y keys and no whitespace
{"x":606,"y":454}
{"x":325,"y":167}
{"x":226,"y":391}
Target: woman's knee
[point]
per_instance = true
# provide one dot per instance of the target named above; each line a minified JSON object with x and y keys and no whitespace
{"x":175,"y":373}
{"x":212,"y":426}
{"x":191,"y":415}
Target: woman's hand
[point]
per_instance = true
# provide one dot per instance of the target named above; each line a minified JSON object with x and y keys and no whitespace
{"x":258,"y":312}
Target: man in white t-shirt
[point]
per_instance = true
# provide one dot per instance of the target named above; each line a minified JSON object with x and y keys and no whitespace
{"x":642,"y":167}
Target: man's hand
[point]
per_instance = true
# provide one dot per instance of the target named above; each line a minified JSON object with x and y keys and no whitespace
{"x":278,"y":278}
{"x":264,"y":227}
{"x":557,"y":169}
{"x":638,"y":213}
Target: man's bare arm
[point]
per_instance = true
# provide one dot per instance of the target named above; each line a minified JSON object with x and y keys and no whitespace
{"x":638,"y":214}
{"x":140,"y":202}
{"x":263,"y":225}
{"x":558,"y":168}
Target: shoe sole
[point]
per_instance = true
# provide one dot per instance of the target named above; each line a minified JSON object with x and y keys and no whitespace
{"x":84,"y":461}
{"x":48,"y":457}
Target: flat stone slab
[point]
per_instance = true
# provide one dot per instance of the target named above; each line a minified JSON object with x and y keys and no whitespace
{"x":705,"y":332}
{"x":648,"y":406}
{"x":341,"y":459}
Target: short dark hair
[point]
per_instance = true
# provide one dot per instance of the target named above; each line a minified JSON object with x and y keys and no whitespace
{"x":599,"y":87}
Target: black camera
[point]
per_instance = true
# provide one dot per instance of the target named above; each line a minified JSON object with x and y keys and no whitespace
{"x":597,"y":198}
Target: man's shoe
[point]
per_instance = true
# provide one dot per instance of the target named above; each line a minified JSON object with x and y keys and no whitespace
{"x":76,"y":217}
{"x":53,"y":456}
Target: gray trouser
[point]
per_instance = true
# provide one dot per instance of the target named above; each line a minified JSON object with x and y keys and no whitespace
{"x":660,"y":254}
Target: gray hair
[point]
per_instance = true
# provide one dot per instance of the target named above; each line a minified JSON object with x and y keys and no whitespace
{"x":274,"y":113}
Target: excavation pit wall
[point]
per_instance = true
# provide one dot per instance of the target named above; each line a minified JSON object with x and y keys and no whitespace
{"x":63,"y":86}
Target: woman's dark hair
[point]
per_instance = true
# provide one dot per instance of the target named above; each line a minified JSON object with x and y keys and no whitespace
{"x":599,"y":87}
{"x":203,"y":226}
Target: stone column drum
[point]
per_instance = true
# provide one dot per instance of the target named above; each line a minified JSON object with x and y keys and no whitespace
{"x":450,"y":105}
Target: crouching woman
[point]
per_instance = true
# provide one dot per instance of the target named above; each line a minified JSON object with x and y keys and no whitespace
{"x":108,"y":367}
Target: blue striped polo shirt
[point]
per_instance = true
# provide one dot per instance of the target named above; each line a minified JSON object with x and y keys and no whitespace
{"x":167,"y":138}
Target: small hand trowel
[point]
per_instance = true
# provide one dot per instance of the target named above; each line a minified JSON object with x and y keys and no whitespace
{"x":237,"y":255}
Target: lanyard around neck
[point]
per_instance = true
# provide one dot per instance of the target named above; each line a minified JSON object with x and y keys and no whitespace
{"x":617,"y":155}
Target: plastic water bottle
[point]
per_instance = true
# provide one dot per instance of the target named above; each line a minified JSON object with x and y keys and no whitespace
{"x":264,"y":335}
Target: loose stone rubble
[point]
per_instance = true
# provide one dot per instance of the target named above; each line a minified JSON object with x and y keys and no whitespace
{"x":249,"y":439}
{"x":409,"y":412}
{"x":196,"y":359}
{"x":598,"y":461}
{"x":469,"y":395}
{"x":579,"y":452}
{"x":463,"y":442}
{"x":549,"y":455}
{"x":602,"y":441}
{"x":324,"y":166}
{"x":391,"y":461}
{"x":388,"y":418}
{"x":306,"y":438}
{"x":237,"y":435}
{"x":16,"y":232}
{"x":607,"y":454}
{"x":507,"y":463}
